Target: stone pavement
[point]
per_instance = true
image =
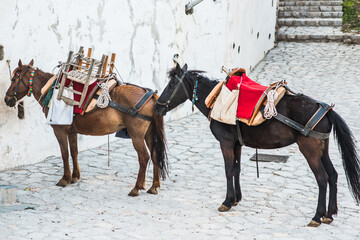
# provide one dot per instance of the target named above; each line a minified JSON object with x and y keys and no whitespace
{"x":278,"y":205}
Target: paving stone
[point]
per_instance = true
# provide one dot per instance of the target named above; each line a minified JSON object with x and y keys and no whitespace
{"x":278,"y":205}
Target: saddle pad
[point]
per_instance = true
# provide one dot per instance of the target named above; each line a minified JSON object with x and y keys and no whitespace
{"x":250,"y":93}
{"x":79,"y":87}
{"x":258,"y":118}
{"x":46,"y":87}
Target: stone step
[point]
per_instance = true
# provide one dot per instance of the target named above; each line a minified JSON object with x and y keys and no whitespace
{"x":310,"y":3}
{"x":7,"y":194}
{"x":310,"y":9}
{"x":301,"y":14}
{"x":334,"y":22}
{"x":316,"y":34}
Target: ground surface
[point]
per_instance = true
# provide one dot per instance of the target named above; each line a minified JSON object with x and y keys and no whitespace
{"x":278,"y":205}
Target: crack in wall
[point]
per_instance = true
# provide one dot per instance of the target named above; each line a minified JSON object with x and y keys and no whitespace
{"x":102,"y":22}
{"x":131,"y":55}
{"x":156,"y":55}
{"x":55,"y":30}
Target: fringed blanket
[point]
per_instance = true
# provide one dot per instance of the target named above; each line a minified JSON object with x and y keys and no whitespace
{"x":249,"y":94}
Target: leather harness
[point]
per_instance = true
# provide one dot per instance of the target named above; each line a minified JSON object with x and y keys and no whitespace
{"x":134,"y":111}
{"x":306,"y":130}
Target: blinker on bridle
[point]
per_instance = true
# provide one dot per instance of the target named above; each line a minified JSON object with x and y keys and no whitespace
{"x":181,"y":83}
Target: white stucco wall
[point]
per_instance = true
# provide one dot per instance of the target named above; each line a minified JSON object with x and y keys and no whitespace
{"x":144,"y":34}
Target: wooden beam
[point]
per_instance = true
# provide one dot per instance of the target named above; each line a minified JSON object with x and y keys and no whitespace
{"x":112,"y":63}
{"x":103,"y":72}
{"x":88,"y":56}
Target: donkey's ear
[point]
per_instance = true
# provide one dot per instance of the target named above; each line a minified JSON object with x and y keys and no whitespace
{"x":20,"y":63}
{"x":184,"y":69}
{"x":31,"y":63}
{"x":178,"y":69}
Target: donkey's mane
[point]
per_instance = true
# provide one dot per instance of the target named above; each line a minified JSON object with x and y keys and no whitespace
{"x":193,"y":74}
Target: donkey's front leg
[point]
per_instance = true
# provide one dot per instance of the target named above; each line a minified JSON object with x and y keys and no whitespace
{"x":62,"y":137}
{"x":228,"y":153}
{"x":74,"y":155}
{"x":237,"y":169}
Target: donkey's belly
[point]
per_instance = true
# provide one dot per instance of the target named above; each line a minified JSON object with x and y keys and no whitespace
{"x":97,"y":124}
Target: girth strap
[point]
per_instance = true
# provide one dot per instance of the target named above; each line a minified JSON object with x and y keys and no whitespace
{"x":134,"y":112}
{"x":241,"y":141}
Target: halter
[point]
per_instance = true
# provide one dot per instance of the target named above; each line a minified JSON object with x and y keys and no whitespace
{"x":180,"y":83}
{"x":194,"y":96}
{"x":21,"y":80}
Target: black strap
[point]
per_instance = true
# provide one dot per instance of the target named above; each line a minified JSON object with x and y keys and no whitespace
{"x":315,"y":119}
{"x":134,"y":112}
{"x":141,"y":102}
{"x":297,"y":126}
{"x":239,"y":133}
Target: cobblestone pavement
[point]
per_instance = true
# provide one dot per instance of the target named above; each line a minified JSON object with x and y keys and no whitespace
{"x":278,"y":205}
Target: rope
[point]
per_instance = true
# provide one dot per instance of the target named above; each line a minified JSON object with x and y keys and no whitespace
{"x":270,"y":109}
{"x":104,"y":98}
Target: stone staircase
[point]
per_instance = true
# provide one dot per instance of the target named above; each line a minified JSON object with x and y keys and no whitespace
{"x":312,"y":20}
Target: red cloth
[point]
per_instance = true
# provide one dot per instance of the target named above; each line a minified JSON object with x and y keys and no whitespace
{"x":79,"y":87}
{"x":249,"y":94}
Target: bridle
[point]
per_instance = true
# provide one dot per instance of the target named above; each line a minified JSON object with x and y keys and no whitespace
{"x":180,"y":83}
{"x":21,"y":80}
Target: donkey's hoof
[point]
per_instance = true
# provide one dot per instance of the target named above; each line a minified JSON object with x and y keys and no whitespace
{"x":223,"y":208}
{"x":134,"y":193}
{"x":327,"y":220}
{"x":234,"y":204}
{"x":314,"y":223}
{"x":74,"y":180}
{"x":62,"y":183}
{"x":152,"y":191}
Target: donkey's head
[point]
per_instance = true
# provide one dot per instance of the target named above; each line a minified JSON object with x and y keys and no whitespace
{"x":20,"y":83}
{"x":176,"y":92}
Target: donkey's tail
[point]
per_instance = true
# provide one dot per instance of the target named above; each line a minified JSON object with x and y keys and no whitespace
{"x":348,"y":152}
{"x":159,"y":143}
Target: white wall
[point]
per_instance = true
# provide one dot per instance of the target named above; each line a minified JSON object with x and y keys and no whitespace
{"x":144,"y":34}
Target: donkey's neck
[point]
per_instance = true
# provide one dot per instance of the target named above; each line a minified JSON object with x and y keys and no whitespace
{"x":39,"y":81}
{"x":204,"y":88}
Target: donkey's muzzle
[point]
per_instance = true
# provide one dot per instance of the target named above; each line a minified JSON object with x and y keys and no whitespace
{"x":10,"y":101}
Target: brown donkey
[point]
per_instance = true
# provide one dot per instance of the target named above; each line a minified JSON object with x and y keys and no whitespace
{"x":101,"y":122}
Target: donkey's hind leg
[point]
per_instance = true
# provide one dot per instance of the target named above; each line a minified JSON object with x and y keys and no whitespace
{"x":156,"y":174}
{"x":312,"y":149}
{"x":62,"y":137}
{"x":143,"y":156}
{"x":333,"y":176}
{"x":74,"y":155}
